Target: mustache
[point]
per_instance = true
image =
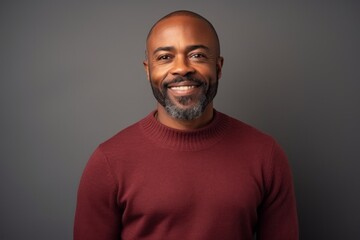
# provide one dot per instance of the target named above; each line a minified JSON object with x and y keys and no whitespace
{"x":180,"y":79}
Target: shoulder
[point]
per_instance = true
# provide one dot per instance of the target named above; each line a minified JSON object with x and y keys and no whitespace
{"x":242,"y":131}
{"x":250,"y":141}
{"x":127,"y":138}
{"x":261,"y":146}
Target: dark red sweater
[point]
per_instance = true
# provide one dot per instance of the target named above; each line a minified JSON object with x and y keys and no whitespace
{"x":225,"y":181}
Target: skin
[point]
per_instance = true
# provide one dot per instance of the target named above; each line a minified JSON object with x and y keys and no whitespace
{"x":183,"y":46}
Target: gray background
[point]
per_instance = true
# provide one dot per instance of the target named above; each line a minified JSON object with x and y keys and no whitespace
{"x":71,"y":76}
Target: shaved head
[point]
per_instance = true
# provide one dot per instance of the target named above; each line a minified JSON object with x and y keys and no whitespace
{"x":186,"y":13}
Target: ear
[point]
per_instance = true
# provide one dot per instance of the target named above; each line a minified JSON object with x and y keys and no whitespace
{"x":146,"y":67}
{"x":219,"y":65}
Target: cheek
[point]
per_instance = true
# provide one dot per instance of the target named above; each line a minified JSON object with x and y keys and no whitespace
{"x":209,"y":72}
{"x":158,"y":74}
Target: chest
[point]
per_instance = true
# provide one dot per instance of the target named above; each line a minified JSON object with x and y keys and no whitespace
{"x":192,"y":185}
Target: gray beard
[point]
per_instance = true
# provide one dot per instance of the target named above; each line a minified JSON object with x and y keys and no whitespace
{"x":185,"y":113}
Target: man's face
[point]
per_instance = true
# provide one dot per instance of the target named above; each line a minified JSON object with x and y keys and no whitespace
{"x":183,"y":65}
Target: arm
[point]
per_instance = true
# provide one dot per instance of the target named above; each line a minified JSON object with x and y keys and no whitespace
{"x":97,"y":213}
{"x":277,"y":213}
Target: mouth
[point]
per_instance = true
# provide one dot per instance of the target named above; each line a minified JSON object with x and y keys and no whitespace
{"x":183,"y":90}
{"x":184,"y":87}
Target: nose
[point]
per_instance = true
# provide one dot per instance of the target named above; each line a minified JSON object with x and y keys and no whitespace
{"x":181,"y":66}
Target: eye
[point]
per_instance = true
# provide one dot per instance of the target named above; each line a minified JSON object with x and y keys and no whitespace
{"x":198,"y":56}
{"x":163,"y":57}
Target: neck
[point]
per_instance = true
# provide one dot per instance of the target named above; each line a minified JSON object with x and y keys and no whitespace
{"x":164,"y":118}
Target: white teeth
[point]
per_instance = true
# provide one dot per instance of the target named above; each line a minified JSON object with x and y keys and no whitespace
{"x":182,"y":88}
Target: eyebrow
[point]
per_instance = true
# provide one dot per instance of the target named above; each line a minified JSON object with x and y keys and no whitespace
{"x":188,"y":48}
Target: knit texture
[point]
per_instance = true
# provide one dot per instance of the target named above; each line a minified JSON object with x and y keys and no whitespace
{"x":224,"y":181}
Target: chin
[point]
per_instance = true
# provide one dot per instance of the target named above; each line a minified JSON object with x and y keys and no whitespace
{"x":188,"y":112}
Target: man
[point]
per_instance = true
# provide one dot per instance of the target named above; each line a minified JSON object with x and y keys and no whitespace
{"x":186,"y":171}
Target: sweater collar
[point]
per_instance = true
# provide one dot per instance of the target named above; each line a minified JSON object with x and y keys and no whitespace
{"x":185,"y":140}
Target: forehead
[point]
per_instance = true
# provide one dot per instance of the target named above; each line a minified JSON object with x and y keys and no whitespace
{"x":185,"y":30}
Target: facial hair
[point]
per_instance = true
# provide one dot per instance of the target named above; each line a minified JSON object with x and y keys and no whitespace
{"x":184,"y":112}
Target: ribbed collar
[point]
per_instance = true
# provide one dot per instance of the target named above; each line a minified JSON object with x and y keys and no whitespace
{"x":185,"y":140}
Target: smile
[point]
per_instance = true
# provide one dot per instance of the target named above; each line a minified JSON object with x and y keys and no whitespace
{"x":182,"y":88}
